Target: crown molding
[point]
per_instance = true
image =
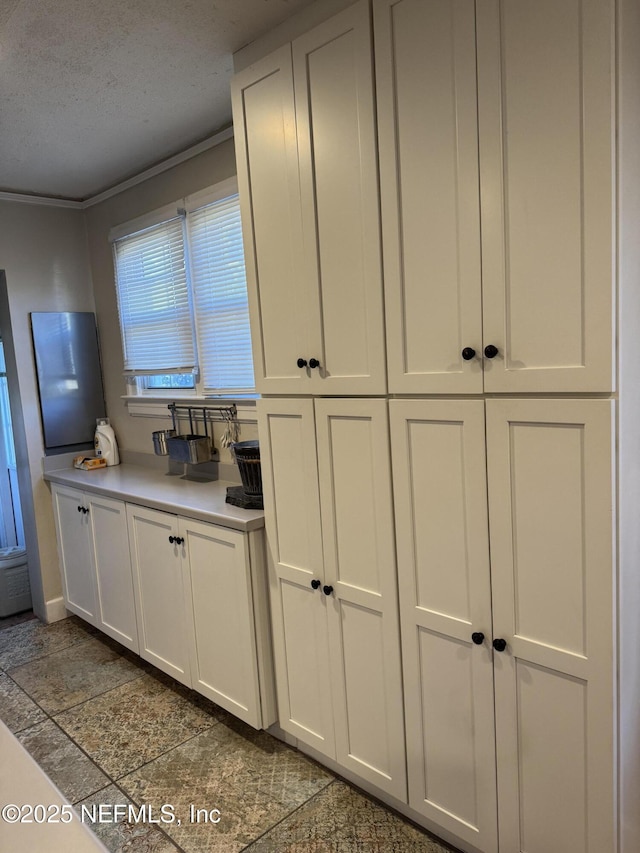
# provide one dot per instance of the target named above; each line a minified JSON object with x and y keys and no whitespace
{"x":41,"y":200}
{"x":165,"y":165}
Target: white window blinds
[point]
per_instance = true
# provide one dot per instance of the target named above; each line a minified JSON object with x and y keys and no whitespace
{"x":154,"y":301}
{"x":220,"y":295}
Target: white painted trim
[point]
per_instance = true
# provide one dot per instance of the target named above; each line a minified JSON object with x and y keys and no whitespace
{"x":55,"y":610}
{"x":216,"y":192}
{"x":148,"y":220}
{"x":163,"y":166}
{"x":144,"y":408}
{"x":41,"y":200}
{"x":205,"y":145}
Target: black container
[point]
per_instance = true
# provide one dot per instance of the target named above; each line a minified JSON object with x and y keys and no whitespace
{"x":247,"y":454}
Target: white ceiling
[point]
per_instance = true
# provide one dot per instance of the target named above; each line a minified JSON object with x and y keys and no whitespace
{"x":95,"y":91}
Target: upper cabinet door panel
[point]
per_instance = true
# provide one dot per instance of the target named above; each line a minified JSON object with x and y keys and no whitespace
{"x":546,"y":167}
{"x":428,"y":136}
{"x":267,"y":159}
{"x":340,"y":206}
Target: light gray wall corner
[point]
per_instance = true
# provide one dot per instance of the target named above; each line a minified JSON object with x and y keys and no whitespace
{"x":45,"y":257}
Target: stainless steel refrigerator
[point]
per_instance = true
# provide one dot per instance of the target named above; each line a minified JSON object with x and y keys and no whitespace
{"x":69,"y":378}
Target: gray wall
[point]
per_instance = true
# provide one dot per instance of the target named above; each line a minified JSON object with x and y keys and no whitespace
{"x":43,"y":251}
{"x":216,"y":164}
{"x":59,"y":259}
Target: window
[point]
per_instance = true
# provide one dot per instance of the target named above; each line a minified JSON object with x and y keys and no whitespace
{"x":182,"y":297}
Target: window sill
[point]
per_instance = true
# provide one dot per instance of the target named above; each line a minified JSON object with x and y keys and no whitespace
{"x":156,"y":407}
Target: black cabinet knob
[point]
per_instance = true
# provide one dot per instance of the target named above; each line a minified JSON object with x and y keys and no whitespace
{"x":478,"y":638}
{"x":468,"y":353}
{"x":499,"y":645}
{"x":313,"y":362}
{"x":179,"y":540}
{"x":85,"y":510}
{"x":315,"y":584}
{"x":172,"y":539}
{"x":79,"y":509}
{"x":327,"y":589}
{"x":302,"y":362}
{"x":490,"y":351}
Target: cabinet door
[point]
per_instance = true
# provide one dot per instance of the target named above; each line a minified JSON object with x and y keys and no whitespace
{"x":292,"y":517}
{"x":428,"y":136}
{"x":440,"y":494}
{"x":359,"y":553}
{"x":551,"y":502}
{"x":546,"y":113}
{"x":74,"y":550}
{"x":340,"y":206}
{"x":111,"y":559}
{"x":221,"y":628}
{"x":267,"y":158}
{"x":159,"y":592}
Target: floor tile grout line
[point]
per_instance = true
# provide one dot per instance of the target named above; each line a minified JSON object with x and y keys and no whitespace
{"x":51,"y":714}
{"x":111,"y":781}
{"x":157,"y":827}
{"x":48,"y":654}
{"x":52,"y":717}
{"x":288,"y":815}
{"x":215,"y":720}
{"x":162,"y":754}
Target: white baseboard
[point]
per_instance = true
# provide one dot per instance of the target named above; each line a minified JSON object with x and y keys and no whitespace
{"x":55,"y":610}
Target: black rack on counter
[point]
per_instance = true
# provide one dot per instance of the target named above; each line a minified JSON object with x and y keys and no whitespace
{"x":193,"y":447}
{"x":207,"y":413}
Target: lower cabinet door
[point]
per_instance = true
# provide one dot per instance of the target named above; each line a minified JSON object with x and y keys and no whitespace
{"x":551,"y":510}
{"x":159,"y":591}
{"x":74,"y":549}
{"x":360,"y":579}
{"x":294,"y":542}
{"x":116,"y":614}
{"x":440,"y":491}
{"x":217,"y":573}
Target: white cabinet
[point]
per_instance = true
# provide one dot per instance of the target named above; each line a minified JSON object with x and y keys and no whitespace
{"x":112,"y":563}
{"x":190,"y":597}
{"x":304,"y":122}
{"x":329,"y":514}
{"x":548,"y":595}
{"x":551,"y":500}
{"x":440,"y":494}
{"x":74,"y":550}
{"x":497,"y":207}
{"x":222,"y":597}
{"x":158,"y":584}
{"x":199,"y":593}
{"x":93,"y":546}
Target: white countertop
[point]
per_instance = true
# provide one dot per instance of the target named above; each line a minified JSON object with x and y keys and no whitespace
{"x":136,"y":484}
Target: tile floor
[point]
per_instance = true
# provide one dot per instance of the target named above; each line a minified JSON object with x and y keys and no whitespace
{"x":109,"y":729}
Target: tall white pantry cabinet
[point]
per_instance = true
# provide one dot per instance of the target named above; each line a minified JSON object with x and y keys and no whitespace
{"x":451,"y":190}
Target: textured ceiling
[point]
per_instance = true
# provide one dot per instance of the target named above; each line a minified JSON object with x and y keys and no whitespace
{"x":95,"y":91}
